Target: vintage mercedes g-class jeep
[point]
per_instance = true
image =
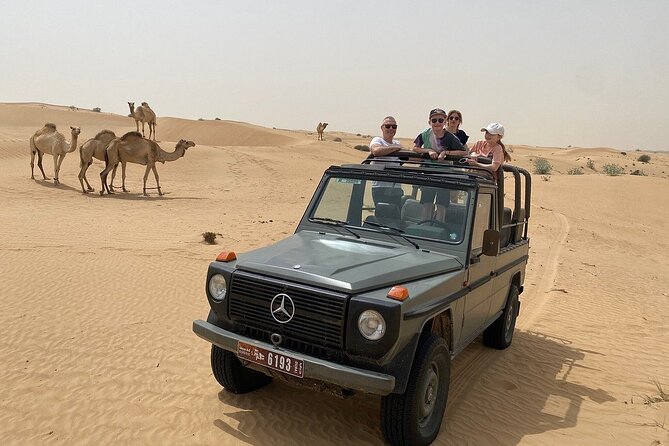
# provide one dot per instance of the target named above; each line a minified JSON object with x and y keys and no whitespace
{"x":396,"y":266}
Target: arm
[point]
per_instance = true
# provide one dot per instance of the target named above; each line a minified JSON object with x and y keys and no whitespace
{"x":452,"y":146}
{"x":418,"y":143}
{"x":381,"y":150}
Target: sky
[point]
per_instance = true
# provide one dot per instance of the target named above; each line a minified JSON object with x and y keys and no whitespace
{"x":585,"y":73}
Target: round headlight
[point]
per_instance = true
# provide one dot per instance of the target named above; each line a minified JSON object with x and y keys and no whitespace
{"x":218,"y":287}
{"x":371,"y":325}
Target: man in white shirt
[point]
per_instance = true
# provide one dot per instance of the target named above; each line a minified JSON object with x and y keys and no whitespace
{"x":383,"y":146}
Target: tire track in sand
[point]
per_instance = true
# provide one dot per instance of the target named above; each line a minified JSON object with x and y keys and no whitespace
{"x":474,"y":358}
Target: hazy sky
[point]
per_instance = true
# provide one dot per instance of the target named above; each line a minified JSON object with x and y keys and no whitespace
{"x":556,"y":73}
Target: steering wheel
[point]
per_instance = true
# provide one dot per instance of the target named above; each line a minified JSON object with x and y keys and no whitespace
{"x":433,"y":222}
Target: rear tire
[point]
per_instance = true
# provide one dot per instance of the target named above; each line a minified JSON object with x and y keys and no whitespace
{"x":500,"y":334}
{"x":414,"y":417}
{"x":231,"y":374}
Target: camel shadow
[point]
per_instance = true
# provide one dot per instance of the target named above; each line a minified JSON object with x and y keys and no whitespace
{"x":138,"y":196}
{"x":50,"y":185}
{"x":281,"y":414}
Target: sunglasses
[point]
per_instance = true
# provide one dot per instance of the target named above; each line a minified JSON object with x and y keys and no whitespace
{"x":390,"y":126}
{"x":439,"y":120}
{"x":453,"y":118}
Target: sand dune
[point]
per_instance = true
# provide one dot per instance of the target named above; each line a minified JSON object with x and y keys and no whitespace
{"x":99,"y":294}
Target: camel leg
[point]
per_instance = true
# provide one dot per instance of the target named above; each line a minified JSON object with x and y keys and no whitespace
{"x":155,"y":173}
{"x":154,"y":131}
{"x":123,"y":177}
{"x":39,"y":164}
{"x":61,"y":158}
{"x":146,"y":175}
{"x":111,"y":183}
{"x":32,"y":165}
{"x":103,"y":179}
{"x":137,"y":124}
{"x":143,"y":135}
{"x":82,"y":178}
{"x":55,"y":170}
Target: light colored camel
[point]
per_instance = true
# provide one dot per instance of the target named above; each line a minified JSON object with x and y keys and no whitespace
{"x":93,"y":148}
{"x":48,"y":140}
{"x":320,"y":128}
{"x":132,"y":148}
{"x":143,"y":114}
{"x":150,"y":117}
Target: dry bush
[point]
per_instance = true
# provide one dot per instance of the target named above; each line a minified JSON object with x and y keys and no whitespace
{"x":210,"y":237}
{"x":362,"y":148}
{"x":613,"y":169}
{"x":542,"y":166}
{"x":644,"y":158}
{"x":575,"y":171}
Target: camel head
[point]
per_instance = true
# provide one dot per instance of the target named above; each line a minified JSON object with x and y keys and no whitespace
{"x":325,"y":124}
{"x":75,"y":131}
{"x":184,"y":144}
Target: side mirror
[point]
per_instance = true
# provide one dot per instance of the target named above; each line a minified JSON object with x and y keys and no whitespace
{"x":490,"y":242}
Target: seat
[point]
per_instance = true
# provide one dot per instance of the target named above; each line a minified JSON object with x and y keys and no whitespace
{"x":387,"y":214}
{"x":518,"y":230}
{"x":505,"y":233}
{"x":387,"y":194}
{"x":414,"y":212}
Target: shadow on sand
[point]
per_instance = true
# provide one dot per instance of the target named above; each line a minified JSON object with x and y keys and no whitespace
{"x":280,"y":414}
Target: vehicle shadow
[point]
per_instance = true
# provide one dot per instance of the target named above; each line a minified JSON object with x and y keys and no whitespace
{"x":524,"y":390}
{"x":501,"y":397}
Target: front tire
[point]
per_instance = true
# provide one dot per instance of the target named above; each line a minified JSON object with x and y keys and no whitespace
{"x":414,"y":417}
{"x":231,"y":374}
{"x":500,"y":334}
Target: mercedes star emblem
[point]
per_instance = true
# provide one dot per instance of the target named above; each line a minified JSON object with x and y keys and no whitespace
{"x":282,"y":308}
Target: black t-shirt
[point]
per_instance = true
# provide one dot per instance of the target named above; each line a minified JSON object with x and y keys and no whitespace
{"x":462,"y":136}
{"x":447,"y":142}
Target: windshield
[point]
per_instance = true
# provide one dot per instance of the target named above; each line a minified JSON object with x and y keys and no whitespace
{"x":414,"y":210}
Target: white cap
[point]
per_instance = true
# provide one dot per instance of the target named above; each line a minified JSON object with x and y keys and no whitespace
{"x":494,"y":128}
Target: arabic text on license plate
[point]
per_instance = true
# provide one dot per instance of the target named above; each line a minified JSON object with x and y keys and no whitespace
{"x":271,"y":358}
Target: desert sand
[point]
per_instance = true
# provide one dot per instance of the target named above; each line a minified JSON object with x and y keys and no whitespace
{"x":99,"y":294}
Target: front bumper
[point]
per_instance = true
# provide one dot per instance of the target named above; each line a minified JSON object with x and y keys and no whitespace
{"x":314,"y":368}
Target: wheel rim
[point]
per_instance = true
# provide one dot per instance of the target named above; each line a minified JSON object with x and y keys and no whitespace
{"x":428,"y":396}
{"x":509,"y":321}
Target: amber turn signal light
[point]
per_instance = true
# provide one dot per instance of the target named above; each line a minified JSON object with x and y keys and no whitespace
{"x":226,"y":256}
{"x":398,"y":293}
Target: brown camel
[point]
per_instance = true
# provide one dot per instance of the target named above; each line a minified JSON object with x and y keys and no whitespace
{"x":48,"y":140}
{"x":320,"y":128}
{"x":143,"y":114}
{"x":93,"y":148}
{"x":133,"y":148}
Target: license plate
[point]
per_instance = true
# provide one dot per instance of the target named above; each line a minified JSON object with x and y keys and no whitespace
{"x":271,"y":358}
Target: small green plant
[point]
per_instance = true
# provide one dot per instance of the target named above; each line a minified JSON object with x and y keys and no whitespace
{"x":575,"y":171}
{"x":210,"y":237}
{"x":639,"y":172}
{"x":362,"y":148}
{"x":644,"y":158}
{"x":613,"y":169}
{"x":97,"y":109}
{"x":542,"y":166}
{"x":590,"y":165}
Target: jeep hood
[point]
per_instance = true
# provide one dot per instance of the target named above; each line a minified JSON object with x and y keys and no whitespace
{"x":345,"y":263}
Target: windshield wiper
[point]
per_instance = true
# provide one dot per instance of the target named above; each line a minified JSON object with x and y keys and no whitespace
{"x":397,"y":231}
{"x":333,"y":222}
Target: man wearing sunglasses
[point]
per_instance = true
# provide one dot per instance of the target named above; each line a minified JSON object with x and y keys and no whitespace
{"x":385,"y":145}
{"x":436,"y":140}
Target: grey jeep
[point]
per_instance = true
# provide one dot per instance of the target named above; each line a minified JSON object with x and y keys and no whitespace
{"x":397,"y":265}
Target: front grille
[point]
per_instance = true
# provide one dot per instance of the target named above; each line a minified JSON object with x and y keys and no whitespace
{"x":317,"y":327}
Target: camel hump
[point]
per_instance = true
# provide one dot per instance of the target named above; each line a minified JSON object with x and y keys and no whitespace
{"x":130,"y":135}
{"x":105,"y":134}
{"x":50,"y":125}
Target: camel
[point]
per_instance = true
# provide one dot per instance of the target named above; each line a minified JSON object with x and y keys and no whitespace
{"x":133,"y":148}
{"x":320,"y":128}
{"x":48,"y":140}
{"x":143,"y":114}
{"x":93,"y":148}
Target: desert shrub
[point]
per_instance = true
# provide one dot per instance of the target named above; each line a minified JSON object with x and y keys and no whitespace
{"x":209,"y":237}
{"x":97,"y":109}
{"x":590,"y":164}
{"x":546,"y":177}
{"x":575,"y":171}
{"x":623,"y":153}
{"x":72,"y":107}
{"x":201,"y":119}
{"x":358,"y":134}
{"x":337,"y":139}
{"x":217,"y":119}
{"x":644,"y":158}
{"x":542,"y":166}
{"x":638,"y":172}
{"x":362,"y":148}
{"x":613,"y":169}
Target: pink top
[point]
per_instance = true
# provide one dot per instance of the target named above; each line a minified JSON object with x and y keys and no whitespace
{"x":495,"y":152}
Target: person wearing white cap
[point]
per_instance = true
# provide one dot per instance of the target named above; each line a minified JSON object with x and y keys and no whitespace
{"x":492,"y":147}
